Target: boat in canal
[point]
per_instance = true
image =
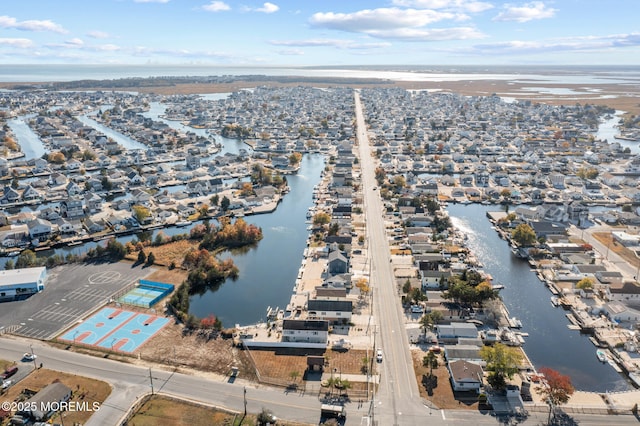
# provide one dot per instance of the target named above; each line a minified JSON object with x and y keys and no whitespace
{"x":601,"y":355}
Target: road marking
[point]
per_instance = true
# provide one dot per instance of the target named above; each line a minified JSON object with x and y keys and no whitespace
{"x":443,"y":416}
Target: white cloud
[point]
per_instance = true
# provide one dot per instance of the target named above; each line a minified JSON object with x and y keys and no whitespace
{"x":22,"y":43}
{"x":470,"y":6}
{"x":526,"y":12}
{"x":74,"y":42}
{"x":328,"y":42}
{"x":576,"y":44}
{"x":98,"y":34}
{"x":151,"y":1}
{"x":379,"y":19}
{"x":433,"y":34}
{"x":216,"y":6}
{"x":31,"y":25}
{"x":291,"y":52}
{"x":268,"y":8}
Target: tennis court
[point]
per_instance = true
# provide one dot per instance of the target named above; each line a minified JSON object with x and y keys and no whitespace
{"x":146,"y":294}
{"x":116,"y":329}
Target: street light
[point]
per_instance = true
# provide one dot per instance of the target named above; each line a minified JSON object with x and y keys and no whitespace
{"x":33,"y":357}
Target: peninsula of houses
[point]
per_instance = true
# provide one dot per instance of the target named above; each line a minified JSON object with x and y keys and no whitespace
{"x":541,"y":164}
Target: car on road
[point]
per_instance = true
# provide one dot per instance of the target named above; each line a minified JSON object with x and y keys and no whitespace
{"x":9,"y":372}
{"x":28,"y":356}
{"x":6,"y":384}
{"x":379,"y":355}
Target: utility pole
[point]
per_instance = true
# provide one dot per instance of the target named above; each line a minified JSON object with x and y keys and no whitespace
{"x":151,"y":380}
{"x":245,"y":401}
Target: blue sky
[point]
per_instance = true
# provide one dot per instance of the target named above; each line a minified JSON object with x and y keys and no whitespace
{"x":322,"y":32}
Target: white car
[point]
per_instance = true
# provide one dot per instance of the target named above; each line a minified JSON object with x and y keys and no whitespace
{"x":6,"y":384}
{"x":379,"y":355}
{"x":29,"y":356}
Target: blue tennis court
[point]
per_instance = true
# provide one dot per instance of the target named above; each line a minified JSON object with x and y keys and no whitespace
{"x":116,"y":329}
{"x":146,"y":293}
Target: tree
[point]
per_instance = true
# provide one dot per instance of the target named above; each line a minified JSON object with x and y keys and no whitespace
{"x":363,"y":285}
{"x":225,"y":203}
{"x":265,"y":417}
{"x":295,"y":158}
{"x":57,"y":157}
{"x":247,"y":189}
{"x":140,"y":213}
{"x":556,"y":388}
{"x":151,"y":259}
{"x":430,"y":360}
{"x":321,"y":218}
{"x":502,"y":363}
{"x":585,"y":284}
{"x":142,"y":257}
{"x":215,"y":200}
{"x":524,"y":235}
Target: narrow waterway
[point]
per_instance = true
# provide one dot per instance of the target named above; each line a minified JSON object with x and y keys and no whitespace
{"x":268,"y":271}
{"x":121,"y":139}
{"x":550,"y":343}
{"x":29,"y":142}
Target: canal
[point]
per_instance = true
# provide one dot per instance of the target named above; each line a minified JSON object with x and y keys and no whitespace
{"x":550,"y":343}
{"x":268,"y":271}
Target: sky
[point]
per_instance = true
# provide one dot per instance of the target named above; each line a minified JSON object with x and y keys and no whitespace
{"x":320,"y":32}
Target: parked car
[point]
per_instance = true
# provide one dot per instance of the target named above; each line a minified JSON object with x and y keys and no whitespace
{"x":6,"y":384}
{"x":379,"y":355}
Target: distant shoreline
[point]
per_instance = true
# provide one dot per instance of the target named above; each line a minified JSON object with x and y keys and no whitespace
{"x":621,"y":96}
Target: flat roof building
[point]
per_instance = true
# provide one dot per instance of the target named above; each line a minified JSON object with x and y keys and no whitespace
{"x":20,"y":283}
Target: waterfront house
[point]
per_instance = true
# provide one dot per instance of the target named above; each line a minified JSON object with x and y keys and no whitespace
{"x":309,"y":331}
{"x":465,"y":375}
{"x":337,"y":263}
{"x":450,"y":333}
{"x":330,"y":310}
{"x":30,"y":193}
{"x":626,"y":292}
{"x":9,"y":196}
{"x":72,"y":208}
{"x":621,"y":313}
{"x":39,"y":229}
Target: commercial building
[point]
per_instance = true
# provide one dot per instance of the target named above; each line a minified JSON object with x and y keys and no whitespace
{"x":21,"y":283}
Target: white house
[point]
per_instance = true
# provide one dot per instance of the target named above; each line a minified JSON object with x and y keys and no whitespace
{"x":465,"y":375}
{"x":330,"y":310}
{"x":309,"y":331}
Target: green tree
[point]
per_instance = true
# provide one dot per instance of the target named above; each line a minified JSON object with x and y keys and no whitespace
{"x":502,"y":363}
{"x":26,"y":259}
{"x":215,"y":200}
{"x":142,"y":257}
{"x":524,"y":235}
{"x":151,"y":259}
{"x":225,"y":203}
{"x":430,"y":360}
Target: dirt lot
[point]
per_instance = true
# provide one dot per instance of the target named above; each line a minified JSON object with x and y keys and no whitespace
{"x":164,"y":410}
{"x":277,"y":366}
{"x":84,"y":390}
{"x":606,"y":239}
{"x":439,"y":391}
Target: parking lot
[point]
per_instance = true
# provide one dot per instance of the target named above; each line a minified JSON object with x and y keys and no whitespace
{"x":71,"y":293}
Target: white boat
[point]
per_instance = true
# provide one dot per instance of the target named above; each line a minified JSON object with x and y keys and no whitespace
{"x":601,"y":355}
{"x":182,"y":223}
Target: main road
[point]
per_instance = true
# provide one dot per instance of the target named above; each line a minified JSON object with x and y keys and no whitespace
{"x":398,"y":399}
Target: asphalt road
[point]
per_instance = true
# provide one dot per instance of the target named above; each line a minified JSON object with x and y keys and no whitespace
{"x":131,"y":382}
{"x":398,"y":400}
